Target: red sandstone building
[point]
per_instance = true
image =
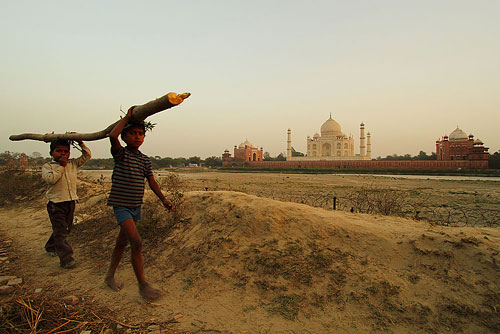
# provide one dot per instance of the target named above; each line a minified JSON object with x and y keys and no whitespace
{"x":460,"y":146}
{"x":246,"y":152}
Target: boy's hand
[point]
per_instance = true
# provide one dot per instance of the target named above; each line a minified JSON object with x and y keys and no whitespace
{"x":129,"y":112}
{"x":63,"y":161}
{"x":168,"y":205}
{"x":79,"y":141}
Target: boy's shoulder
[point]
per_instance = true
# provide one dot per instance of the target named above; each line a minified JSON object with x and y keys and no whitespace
{"x":50,"y":164}
{"x":139,"y":154}
{"x":125,"y":155}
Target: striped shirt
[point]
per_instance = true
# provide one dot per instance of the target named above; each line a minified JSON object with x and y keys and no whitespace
{"x":127,"y":187}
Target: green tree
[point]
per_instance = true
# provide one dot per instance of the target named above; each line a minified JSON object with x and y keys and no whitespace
{"x":194,"y":160}
{"x":213,"y":161}
{"x":422,"y":156}
{"x":167,"y":162}
{"x":180,"y":162}
{"x":296,"y":153}
{"x":5,"y":157}
{"x":96,"y":163}
{"x":494,"y":160}
{"x":280,"y":157}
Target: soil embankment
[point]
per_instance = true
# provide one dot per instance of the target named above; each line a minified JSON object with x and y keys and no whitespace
{"x":239,"y":263}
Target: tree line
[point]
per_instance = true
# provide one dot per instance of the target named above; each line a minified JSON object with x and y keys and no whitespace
{"x":37,"y":160}
{"x":420,"y":156}
{"x":158,"y":162}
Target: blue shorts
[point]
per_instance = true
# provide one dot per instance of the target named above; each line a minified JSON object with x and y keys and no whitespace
{"x":123,"y":213}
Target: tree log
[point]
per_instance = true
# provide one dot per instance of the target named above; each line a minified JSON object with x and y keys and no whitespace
{"x":139,"y":113}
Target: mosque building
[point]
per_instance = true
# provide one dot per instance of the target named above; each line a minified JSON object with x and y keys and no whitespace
{"x":460,"y":146}
{"x":243,"y":153}
{"x":332,"y":144}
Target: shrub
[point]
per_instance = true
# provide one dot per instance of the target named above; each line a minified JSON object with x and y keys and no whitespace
{"x":156,"y":220}
{"x":19,"y":185}
{"x":376,"y":200}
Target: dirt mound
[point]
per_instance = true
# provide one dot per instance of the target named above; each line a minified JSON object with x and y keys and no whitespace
{"x":249,"y":260}
{"x":239,"y":263}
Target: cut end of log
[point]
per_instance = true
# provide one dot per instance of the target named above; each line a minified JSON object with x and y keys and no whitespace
{"x":176,"y":99}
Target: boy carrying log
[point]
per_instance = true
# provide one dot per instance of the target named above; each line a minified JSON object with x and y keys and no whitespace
{"x":127,"y":191}
{"x":61,"y":176}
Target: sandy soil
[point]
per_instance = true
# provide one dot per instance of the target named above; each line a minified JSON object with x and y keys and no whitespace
{"x":240,"y":263}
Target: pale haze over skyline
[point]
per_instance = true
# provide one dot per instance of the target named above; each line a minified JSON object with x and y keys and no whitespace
{"x":410,"y":70}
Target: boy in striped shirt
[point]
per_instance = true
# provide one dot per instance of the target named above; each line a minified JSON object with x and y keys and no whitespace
{"x":127,"y":190}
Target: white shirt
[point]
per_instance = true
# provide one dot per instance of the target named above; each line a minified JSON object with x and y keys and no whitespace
{"x":62,"y":180}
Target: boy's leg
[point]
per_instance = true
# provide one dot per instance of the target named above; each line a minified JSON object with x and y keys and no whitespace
{"x":50,"y":247}
{"x":130,"y":230}
{"x":121,"y":243}
{"x":60,"y":214}
{"x":146,"y":290}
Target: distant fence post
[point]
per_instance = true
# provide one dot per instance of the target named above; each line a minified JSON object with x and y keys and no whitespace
{"x":334,"y":203}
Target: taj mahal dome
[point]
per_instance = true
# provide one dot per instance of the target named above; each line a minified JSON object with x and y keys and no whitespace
{"x":332,"y":144}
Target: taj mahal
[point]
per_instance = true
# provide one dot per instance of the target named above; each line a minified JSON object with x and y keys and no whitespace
{"x":332,"y":149}
{"x":332,"y":144}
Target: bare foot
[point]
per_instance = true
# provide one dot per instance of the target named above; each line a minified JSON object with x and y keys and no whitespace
{"x":113,"y":284}
{"x":148,"y":292}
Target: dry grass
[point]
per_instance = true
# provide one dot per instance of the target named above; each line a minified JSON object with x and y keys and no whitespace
{"x":44,"y":314}
{"x":19,"y":185}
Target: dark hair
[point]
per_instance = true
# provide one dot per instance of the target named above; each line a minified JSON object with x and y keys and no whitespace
{"x":58,"y":142}
{"x":133,"y":124}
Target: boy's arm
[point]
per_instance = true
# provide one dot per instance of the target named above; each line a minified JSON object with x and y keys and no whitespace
{"x":117,"y":130}
{"x":51,"y":173}
{"x":86,"y":154}
{"x":156,"y":189}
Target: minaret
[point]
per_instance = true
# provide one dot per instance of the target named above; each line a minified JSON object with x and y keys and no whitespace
{"x":362,"y":147}
{"x":289,"y":146}
{"x":368,"y":146}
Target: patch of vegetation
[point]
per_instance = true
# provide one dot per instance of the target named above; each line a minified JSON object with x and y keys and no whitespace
{"x":286,"y":306}
{"x":370,"y":199}
{"x":19,"y":185}
{"x":317,"y":274}
{"x":156,"y":220}
{"x":188,"y":282}
{"x":46,"y":314}
{"x":292,"y":263}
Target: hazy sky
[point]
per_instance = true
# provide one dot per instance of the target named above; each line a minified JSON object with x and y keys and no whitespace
{"x":410,"y":70}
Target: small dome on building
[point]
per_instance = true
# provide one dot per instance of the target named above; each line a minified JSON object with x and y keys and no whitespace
{"x":458,"y":134}
{"x":478,"y":142}
{"x":330,"y":128}
{"x":316,"y":135}
{"x":246,"y":143}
